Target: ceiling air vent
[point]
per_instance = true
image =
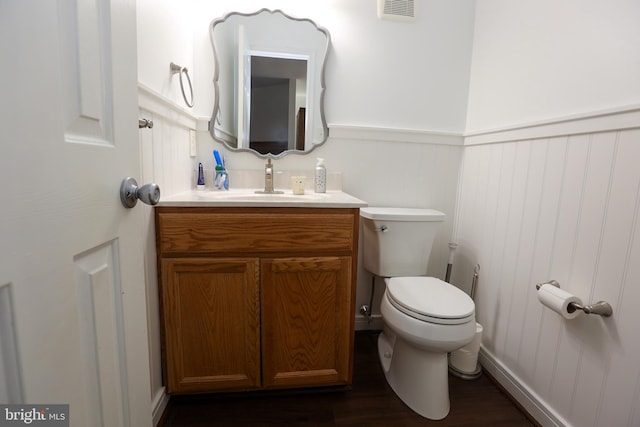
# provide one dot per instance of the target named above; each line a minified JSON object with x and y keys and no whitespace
{"x":396,"y":10}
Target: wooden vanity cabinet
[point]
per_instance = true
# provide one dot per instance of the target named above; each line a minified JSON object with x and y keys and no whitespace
{"x":256,"y":298}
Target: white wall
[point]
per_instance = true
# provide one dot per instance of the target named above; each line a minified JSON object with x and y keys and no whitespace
{"x":539,"y":60}
{"x":165,"y":35}
{"x":379,"y":73}
{"x":389,"y":169}
{"x":551,"y":190}
{"x":548,"y":187}
{"x":395,"y":105}
{"x":165,"y":160}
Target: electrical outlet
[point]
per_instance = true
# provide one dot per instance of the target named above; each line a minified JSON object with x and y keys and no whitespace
{"x":193,"y":146}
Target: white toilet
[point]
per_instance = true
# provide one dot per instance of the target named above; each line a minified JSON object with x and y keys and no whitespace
{"x":424,"y":317}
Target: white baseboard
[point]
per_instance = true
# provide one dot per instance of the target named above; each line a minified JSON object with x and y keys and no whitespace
{"x":158,"y":405}
{"x":529,"y":400}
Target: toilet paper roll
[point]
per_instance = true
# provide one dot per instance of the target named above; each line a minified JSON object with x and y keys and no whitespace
{"x":465,"y":359}
{"x":558,"y":300}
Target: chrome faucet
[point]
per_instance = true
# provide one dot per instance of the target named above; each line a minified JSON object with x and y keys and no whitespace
{"x":268,"y":179}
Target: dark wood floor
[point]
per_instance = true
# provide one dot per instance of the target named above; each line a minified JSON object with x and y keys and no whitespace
{"x":370,"y":402}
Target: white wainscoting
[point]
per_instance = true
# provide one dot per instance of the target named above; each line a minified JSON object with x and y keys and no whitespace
{"x":557,"y":200}
{"x":165,"y":147}
{"x":400,"y":168}
{"x":165,"y":158}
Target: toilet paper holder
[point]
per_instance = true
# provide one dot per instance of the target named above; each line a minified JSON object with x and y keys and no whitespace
{"x":601,"y":308}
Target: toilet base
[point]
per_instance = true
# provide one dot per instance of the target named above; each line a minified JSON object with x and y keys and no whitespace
{"x":418,"y":377}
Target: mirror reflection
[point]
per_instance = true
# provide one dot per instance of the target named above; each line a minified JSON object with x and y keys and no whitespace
{"x":269,"y":83}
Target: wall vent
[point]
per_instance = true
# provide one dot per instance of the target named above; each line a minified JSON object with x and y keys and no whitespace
{"x":396,"y":10}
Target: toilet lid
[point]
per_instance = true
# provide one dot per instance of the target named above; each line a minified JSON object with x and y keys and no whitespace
{"x":430,"y":299}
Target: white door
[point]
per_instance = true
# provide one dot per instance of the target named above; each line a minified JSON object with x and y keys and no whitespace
{"x":72,"y":294}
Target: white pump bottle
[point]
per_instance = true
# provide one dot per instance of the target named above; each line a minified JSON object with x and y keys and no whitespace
{"x":321,"y":177}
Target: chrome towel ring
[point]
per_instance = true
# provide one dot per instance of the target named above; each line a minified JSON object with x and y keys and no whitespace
{"x":183,"y":71}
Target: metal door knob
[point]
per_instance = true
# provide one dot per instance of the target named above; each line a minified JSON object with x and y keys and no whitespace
{"x":130,"y":193}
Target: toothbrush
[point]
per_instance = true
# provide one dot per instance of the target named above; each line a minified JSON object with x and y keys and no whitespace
{"x":226,"y":174}
{"x":217,"y":157}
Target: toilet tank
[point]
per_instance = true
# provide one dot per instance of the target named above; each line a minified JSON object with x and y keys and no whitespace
{"x":398,"y":241}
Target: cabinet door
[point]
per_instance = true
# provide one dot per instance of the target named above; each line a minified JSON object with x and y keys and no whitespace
{"x":211,"y":324}
{"x":307,"y":325}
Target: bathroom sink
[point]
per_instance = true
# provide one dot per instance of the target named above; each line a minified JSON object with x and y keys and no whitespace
{"x":249,"y":197}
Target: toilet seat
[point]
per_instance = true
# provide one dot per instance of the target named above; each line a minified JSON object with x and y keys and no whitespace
{"x":430,"y":299}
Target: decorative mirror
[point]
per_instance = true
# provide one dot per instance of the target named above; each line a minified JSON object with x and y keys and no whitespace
{"x":269,"y":83}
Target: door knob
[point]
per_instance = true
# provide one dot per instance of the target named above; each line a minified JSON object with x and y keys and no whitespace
{"x":130,"y":193}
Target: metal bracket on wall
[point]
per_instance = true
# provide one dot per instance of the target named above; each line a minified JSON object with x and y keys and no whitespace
{"x":177,"y":69}
{"x":145,"y":123}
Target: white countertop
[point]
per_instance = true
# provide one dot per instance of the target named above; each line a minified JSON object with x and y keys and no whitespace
{"x":247,"y":197}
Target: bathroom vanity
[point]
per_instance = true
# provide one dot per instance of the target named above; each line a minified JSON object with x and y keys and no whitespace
{"x":257,"y":291}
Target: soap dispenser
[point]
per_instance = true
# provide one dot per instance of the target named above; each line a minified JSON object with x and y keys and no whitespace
{"x":321,"y":177}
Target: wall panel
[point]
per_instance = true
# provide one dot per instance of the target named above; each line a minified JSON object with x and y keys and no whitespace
{"x":561,"y":207}
{"x":165,"y":160}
